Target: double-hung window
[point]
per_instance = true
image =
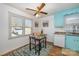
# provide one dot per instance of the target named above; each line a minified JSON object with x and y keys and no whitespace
{"x":19,"y":26}
{"x":28,"y":26}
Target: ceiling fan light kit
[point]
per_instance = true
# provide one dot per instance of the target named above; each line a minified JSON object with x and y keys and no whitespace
{"x":37,"y":15}
{"x":38,"y":10}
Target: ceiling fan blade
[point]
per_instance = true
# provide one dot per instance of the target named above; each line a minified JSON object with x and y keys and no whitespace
{"x":30,"y":9}
{"x":43,"y":12}
{"x":38,"y":9}
{"x":36,"y":13}
{"x":41,"y":6}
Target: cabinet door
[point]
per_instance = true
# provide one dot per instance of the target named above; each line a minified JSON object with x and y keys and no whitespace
{"x":73,"y":43}
{"x":56,"y":40}
{"x":76,"y":44}
{"x":70,"y":42}
{"x":59,"y":40}
{"x":58,"y":20}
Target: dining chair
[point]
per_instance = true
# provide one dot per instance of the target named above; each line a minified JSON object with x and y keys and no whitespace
{"x":37,"y":45}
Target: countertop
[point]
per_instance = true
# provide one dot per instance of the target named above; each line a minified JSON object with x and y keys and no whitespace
{"x":60,"y":33}
{"x":72,"y":34}
{"x":67,"y":33}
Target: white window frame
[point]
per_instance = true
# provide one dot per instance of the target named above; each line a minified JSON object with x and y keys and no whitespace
{"x":10,"y":14}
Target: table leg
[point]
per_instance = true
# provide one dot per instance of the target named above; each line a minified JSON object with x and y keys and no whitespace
{"x":30,"y":45}
{"x":45,"y":42}
{"x":39,"y":48}
{"x":35,"y":46}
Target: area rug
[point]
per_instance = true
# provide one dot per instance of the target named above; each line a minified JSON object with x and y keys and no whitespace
{"x":24,"y":51}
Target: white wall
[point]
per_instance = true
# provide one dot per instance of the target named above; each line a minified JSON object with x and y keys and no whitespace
{"x":47,"y":30}
{"x":5,"y":43}
{"x":36,"y":29}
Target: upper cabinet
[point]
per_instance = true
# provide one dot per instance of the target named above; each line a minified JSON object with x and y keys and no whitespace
{"x":59,"y":17}
{"x":58,"y":20}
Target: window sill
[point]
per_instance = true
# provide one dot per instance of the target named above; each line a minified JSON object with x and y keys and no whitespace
{"x":17,"y":37}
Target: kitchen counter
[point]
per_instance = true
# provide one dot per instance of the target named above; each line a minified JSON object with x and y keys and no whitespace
{"x":60,"y":33}
{"x":67,"y":33}
{"x":72,"y":34}
{"x":67,"y":40}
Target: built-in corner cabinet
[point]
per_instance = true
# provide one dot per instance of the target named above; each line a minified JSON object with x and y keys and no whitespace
{"x":59,"y":40}
{"x":72,"y":42}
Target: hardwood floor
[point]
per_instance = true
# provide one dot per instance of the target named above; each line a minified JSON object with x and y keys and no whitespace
{"x":58,"y":51}
{"x":55,"y":51}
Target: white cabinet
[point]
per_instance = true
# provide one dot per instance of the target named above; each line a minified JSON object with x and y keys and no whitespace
{"x":59,"y":40}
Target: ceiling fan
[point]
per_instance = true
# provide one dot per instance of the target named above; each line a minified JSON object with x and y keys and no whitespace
{"x":38,"y":9}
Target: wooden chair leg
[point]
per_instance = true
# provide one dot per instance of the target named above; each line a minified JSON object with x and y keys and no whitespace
{"x":45,"y":42}
{"x":35,"y":49}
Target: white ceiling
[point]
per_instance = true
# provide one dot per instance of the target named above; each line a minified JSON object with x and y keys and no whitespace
{"x":50,"y":8}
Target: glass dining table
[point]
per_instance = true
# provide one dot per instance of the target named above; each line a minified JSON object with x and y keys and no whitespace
{"x":40,"y":39}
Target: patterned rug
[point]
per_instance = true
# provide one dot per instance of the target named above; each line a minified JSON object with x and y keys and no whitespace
{"x":24,"y":51}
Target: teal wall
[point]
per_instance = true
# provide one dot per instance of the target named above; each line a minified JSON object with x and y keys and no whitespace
{"x":59,"y":16}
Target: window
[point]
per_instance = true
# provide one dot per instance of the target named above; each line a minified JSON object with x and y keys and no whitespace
{"x":19,"y":26}
{"x":16,"y":26}
{"x":28,"y":25}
